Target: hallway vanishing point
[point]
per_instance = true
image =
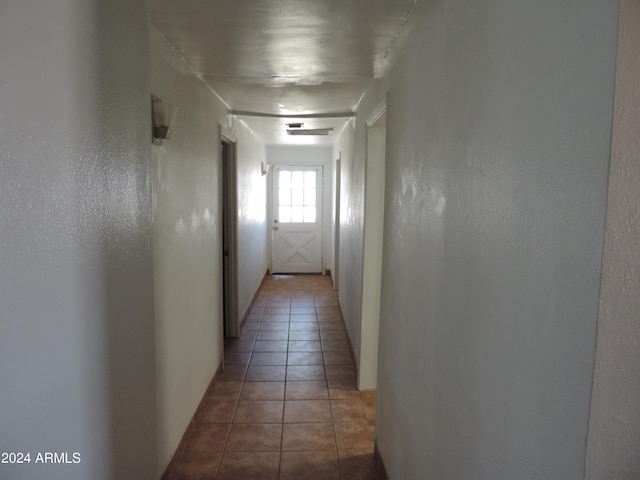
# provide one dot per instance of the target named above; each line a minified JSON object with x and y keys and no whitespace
{"x":286,"y":404}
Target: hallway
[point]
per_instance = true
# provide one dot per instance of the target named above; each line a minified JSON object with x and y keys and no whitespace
{"x":286,"y":405}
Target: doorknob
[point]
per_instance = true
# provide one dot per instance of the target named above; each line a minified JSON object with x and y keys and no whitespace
{"x":275,"y":228}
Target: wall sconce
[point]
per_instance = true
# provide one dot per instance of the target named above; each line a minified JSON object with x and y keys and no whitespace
{"x":265,"y":168}
{"x":163,"y":117}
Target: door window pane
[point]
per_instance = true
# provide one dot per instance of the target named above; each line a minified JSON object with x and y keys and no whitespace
{"x":285,"y":196}
{"x":309,"y":196}
{"x":297,"y":196}
{"x":284,"y":214}
{"x":309,"y":214}
{"x":297,"y":214}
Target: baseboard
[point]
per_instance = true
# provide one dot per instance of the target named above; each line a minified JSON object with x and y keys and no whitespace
{"x":253,"y":300}
{"x":378,"y":459}
{"x":191,"y":427}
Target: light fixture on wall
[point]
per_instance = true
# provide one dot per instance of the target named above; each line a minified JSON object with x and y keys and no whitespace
{"x":163,"y":117}
{"x":265,"y":168}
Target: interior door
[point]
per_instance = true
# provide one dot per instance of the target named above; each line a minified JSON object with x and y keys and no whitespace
{"x":296,"y":245}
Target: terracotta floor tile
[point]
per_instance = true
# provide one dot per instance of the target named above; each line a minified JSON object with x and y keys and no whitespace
{"x":257,"y":310}
{"x":270,"y":346}
{"x":251,"y":324}
{"x":263,"y":391}
{"x":304,"y":335}
{"x":307,"y":411}
{"x":269,"y":358}
{"x":248,"y":335}
{"x":304,"y":327}
{"x":353,"y":435}
{"x":275,"y":318}
{"x":307,"y":437}
{"x":305,"y":358}
{"x":329,"y":310}
{"x":306,"y":391}
{"x":340,"y":335}
{"x":265,"y":373}
{"x":335,"y":346}
{"x":218,"y":411}
{"x":276,"y":311}
{"x":305,"y":373}
{"x":304,"y":346}
{"x":196,"y":466}
{"x":309,"y":318}
{"x":239,"y":346}
{"x":273,"y":335}
{"x":329,"y":317}
{"x":309,"y":466}
{"x":274,"y":326}
{"x":343,"y":389}
{"x":303,"y":303}
{"x":226,"y":390}
{"x":245,"y":437}
{"x":338,"y":358}
{"x":249,"y":466}
{"x":208,"y":437}
{"x":237,"y":358}
{"x":331,"y":326}
{"x":342,"y":373}
{"x":347,"y":410}
{"x":259,"y":411}
{"x":232,"y":373}
{"x":359,"y":465}
{"x":310,"y":309}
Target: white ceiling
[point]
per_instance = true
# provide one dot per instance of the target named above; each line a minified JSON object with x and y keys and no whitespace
{"x":269,"y":59}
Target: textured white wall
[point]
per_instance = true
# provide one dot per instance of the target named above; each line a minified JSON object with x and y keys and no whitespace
{"x":499,"y":123}
{"x":351,"y":147}
{"x":253,"y":231}
{"x":614,"y":427}
{"x":187,"y":245}
{"x":188,"y":236}
{"x":76,"y":270}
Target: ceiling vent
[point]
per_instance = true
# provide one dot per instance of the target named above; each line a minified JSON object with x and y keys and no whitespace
{"x":311,"y":131}
{"x":295,"y":125}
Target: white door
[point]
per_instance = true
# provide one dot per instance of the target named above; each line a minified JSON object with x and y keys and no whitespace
{"x":296,"y":245}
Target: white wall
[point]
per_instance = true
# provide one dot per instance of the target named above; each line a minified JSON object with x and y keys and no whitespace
{"x":614,"y":427}
{"x":253,"y":231}
{"x":499,"y":123}
{"x":188,"y":236}
{"x":351,"y":148}
{"x":76,"y":270}
{"x":310,"y":155}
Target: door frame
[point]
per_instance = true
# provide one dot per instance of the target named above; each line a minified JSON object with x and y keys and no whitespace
{"x":271,"y":206}
{"x":327,"y":200}
{"x":229,"y":210}
{"x":375,"y":166}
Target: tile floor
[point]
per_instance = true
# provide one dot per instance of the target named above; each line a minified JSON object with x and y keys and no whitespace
{"x":286,"y":405}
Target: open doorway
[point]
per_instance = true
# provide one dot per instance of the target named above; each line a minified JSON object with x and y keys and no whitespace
{"x":229,"y":235}
{"x":373,"y":235}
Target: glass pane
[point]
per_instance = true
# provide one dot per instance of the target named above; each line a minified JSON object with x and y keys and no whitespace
{"x":297,"y":196}
{"x":285,"y":196}
{"x":309,"y":214}
{"x":284,"y":214}
{"x":310,"y":179}
{"x":297,"y":179}
{"x":285,"y":179}
{"x":309,"y":196}
{"x":297,"y":214}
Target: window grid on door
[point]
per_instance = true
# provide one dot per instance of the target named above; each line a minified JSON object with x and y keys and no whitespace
{"x":297,"y":196}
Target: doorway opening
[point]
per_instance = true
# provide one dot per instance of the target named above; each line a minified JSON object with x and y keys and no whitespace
{"x":229,"y":236}
{"x":372,"y":256}
{"x":296,"y":241}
